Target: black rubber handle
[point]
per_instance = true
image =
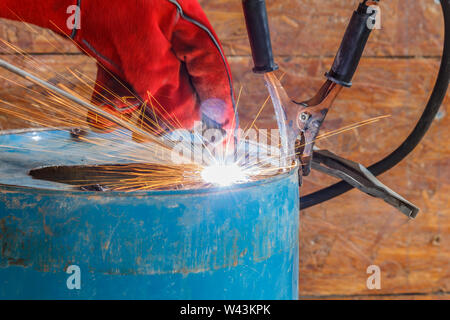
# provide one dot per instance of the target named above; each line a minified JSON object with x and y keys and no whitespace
{"x":255,"y":13}
{"x":352,"y":47}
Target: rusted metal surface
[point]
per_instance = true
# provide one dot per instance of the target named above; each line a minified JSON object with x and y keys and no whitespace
{"x":238,"y":242}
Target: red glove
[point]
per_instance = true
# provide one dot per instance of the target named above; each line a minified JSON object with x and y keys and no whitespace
{"x":164,"y":52}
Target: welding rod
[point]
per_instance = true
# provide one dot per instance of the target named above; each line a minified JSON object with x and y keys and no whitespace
{"x":120,"y":122}
{"x":256,"y":20}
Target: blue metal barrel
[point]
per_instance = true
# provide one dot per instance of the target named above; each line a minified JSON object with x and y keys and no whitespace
{"x":225,"y":243}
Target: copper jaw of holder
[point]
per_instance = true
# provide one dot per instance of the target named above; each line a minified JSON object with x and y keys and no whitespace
{"x":299,"y":123}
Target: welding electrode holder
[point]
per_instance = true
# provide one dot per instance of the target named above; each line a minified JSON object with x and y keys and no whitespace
{"x":352,"y":46}
{"x":414,"y":138}
{"x":305,"y":119}
{"x":255,"y":13}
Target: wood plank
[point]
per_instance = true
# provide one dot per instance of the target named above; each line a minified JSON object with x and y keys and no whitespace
{"x":431,"y":296}
{"x":32,"y":39}
{"x":315,"y":28}
{"x":299,"y":28}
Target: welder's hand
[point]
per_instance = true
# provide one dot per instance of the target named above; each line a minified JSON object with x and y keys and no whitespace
{"x":162,"y":52}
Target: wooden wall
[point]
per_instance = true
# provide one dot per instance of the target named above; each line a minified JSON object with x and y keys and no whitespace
{"x":341,"y":238}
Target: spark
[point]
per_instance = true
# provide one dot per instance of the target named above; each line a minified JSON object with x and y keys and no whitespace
{"x":36,"y":137}
{"x":224,"y":175}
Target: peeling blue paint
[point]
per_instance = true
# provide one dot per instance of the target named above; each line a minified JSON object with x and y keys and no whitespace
{"x":238,"y":243}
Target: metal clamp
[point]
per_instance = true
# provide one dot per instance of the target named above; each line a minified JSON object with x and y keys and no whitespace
{"x":359,"y":177}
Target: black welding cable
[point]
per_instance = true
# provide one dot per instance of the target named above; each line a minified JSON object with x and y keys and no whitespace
{"x":425,"y":121}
